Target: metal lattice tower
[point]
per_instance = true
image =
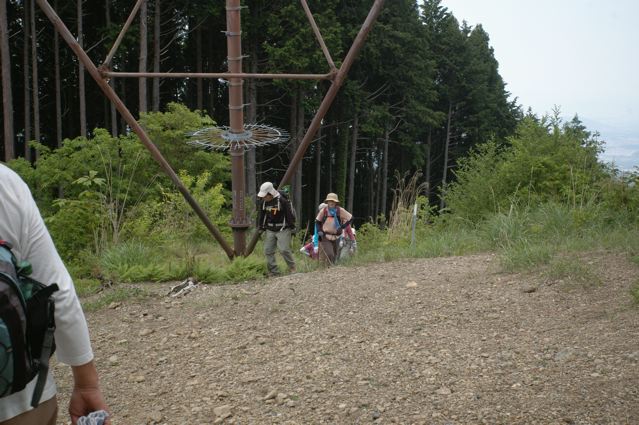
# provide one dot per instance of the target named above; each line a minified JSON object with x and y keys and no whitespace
{"x":237,"y":137}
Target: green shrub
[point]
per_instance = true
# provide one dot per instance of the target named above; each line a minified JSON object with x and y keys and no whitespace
{"x":506,"y":230}
{"x":75,"y":226}
{"x":84,"y":287}
{"x":246,"y":268}
{"x":478,"y":190}
{"x":525,"y":256}
{"x":370,"y":236}
{"x":207,"y":273}
{"x":546,"y":160}
{"x":128,"y":259}
{"x":100,"y":179}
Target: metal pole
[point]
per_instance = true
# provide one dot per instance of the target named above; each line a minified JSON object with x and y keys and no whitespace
{"x":239,"y":222}
{"x":128,"y":117}
{"x":327,"y":101}
{"x":332,"y":91}
{"x":125,"y":28}
{"x":318,"y":35}
{"x":225,"y":75}
{"x":414,"y":222}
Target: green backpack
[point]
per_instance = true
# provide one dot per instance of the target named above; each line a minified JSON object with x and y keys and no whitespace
{"x":26,"y":326}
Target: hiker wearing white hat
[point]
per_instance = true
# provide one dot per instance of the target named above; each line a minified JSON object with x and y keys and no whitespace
{"x":277,"y":219}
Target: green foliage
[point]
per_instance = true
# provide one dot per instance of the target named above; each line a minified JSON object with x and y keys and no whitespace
{"x":169,"y":130}
{"x":57,"y":171}
{"x":291,"y":46}
{"x":77,"y":225}
{"x":369,"y":236}
{"x":124,"y":256}
{"x":249,"y":268}
{"x":621,"y":195}
{"x":478,"y":190}
{"x":85,"y":287}
{"x":137,"y":261}
{"x":573,"y":270}
{"x":543,"y":162}
{"x":158,"y":219}
{"x":23,"y":168}
{"x":525,"y":255}
{"x":94,"y":191}
{"x":504,"y":231}
{"x":449,"y":240}
{"x":556,"y":163}
{"x":207,"y":273}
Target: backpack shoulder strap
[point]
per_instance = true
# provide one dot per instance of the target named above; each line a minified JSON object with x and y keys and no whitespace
{"x":324,"y":214}
{"x":337,"y":215}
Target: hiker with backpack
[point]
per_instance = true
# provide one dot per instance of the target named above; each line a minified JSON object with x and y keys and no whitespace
{"x":330,"y":224}
{"x":28,"y":397}
{"x":277,"y":219}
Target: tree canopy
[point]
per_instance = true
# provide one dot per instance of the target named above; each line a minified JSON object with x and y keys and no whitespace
{"x":423,"y":91}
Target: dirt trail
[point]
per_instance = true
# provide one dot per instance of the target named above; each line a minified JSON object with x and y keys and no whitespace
{"x":430,"y":341}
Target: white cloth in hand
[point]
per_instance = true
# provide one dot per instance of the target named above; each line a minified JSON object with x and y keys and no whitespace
{"x":94,"y":418}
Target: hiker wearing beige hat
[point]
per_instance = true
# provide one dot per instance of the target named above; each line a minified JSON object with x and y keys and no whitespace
{"x":329,"y":226}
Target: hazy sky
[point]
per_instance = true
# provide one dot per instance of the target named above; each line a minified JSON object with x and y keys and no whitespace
{"x":580,"y":55}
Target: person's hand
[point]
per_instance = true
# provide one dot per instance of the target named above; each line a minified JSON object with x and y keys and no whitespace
{"x":315,"y":250}
{"x":86,"y":396}
{"x":84,"y":401}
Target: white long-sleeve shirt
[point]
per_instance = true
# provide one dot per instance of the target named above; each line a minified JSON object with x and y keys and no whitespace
{"x":22,"y":226}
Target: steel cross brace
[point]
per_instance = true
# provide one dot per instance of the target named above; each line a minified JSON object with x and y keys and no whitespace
{"x":239,"y":222}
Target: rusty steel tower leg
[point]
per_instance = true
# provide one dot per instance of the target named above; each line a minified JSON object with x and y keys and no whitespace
{"x":239,"y":222}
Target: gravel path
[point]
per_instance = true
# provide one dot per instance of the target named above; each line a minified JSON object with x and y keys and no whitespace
{"x":429,"y":341}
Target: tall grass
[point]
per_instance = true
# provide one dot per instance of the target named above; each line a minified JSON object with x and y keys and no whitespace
{"x":547,"y":236}
{"x":136,"y":261}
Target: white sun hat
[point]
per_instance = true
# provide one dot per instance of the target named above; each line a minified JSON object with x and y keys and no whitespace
{"x":267,"y":189}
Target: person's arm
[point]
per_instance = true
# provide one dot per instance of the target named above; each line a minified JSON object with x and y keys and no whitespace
{"x":349,"y":231}
{"x":345,"y":218}
{"x":86,"y":396}
{"x":260,"y":215}
{"x":288,"y":210}
{"x":73,"y":345}
{"x":345,"y":224}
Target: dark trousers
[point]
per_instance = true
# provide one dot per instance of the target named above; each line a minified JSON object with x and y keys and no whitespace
{"x":328,"y":251}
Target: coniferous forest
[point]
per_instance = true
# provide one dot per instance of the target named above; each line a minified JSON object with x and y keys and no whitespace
{"x":423,"y":90}
{"x":424,"y":98}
